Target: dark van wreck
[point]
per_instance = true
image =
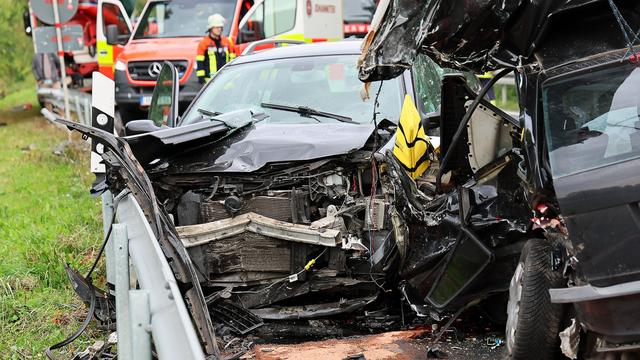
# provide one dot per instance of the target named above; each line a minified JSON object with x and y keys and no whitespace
{"x":575,"y":64}
{"x":279,"y":224}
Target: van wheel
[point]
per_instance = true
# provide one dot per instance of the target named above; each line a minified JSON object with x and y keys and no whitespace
{"x":533,"y":322}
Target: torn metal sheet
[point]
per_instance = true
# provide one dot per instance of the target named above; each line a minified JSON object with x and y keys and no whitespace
{"x":123,"y":165}
{"x":479,"y":35}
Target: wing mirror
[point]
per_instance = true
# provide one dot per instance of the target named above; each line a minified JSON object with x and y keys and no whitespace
{"x":137,"y":127}
{"x":164,"y":102}
{"x":113,"y":35}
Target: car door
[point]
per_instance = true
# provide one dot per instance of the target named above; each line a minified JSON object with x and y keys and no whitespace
{"x":111,"y":12}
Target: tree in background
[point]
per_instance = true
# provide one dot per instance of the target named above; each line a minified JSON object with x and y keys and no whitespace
{"x":15,"y":47}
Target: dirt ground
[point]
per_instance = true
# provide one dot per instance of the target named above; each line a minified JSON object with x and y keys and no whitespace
{"x":402,"y":345}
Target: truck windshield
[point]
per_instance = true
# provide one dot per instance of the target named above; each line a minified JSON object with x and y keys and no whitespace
{"x":323,"y":83}
{"x":591,"y":119}
{"x":182,"y":18}
{"x":358,"y":11}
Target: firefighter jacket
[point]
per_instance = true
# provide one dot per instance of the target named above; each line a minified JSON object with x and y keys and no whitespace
{"x":212,"y":55}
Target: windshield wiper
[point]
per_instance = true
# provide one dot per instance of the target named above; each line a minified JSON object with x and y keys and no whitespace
{"x":308,"y":112}
{"x":209,"y":113}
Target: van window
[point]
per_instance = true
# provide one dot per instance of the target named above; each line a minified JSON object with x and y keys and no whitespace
{"x":253,"y":29}
{"x":112,"y":15}
{"x":358,"y":11}
{"x":279,"y":16}
{"x":185,"y":18}
{"x":271,"y":18}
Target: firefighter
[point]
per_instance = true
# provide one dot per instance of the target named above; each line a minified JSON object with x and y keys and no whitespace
{"x":214,"y":50}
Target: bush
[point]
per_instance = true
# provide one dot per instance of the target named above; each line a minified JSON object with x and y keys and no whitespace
{"x":16,"y":48}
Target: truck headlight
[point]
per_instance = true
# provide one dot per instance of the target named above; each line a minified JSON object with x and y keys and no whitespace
{"x":121,"y":65}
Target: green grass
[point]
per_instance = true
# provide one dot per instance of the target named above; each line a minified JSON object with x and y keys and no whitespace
{"x":18,"y":95}
{"x":47,"y":218}
{"x":512,"y":98}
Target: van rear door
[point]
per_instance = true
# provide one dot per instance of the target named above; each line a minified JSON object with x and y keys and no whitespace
{"x":111,"y":12}
{"x":322,"y":20}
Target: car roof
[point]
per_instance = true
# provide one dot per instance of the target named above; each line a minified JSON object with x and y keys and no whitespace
{"x":345,"y":47}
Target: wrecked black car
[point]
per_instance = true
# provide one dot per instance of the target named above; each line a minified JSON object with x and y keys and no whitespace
{"x":281,"y":197}
{"x":576,"y":69}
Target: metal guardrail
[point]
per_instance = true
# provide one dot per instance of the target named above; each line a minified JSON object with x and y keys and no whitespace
{"x":79,"y":103}
{"x":157,"y":307}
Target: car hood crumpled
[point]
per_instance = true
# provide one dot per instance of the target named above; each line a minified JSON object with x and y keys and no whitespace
{"x":253,"y":147}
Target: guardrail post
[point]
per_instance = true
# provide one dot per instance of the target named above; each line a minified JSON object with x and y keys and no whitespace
{"x":76,"y":103}
{"x":123,"y":325}
{"x":140,"y":324}
{"x":107,"y":215}
{"x":87,"y":111}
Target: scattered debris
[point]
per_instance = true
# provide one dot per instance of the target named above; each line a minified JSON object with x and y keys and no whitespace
{"x":494,"y":342}
{"x":23,"y":107}
{"x":435,"y":353}
{"x":570,"y":340}
{"x":29,"y":147}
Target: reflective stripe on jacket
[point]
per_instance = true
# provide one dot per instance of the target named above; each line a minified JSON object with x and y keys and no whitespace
{"x":211,"y":56}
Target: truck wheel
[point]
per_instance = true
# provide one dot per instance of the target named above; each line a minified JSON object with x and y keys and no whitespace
{"x":533,"y":322}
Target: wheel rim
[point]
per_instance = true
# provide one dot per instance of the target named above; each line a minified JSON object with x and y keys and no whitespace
{"x":513,"y":307}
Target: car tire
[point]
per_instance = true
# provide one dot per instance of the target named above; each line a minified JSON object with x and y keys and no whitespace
{"x":533,"y":322}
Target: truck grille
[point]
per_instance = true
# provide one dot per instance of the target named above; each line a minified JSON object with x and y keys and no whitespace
{"x":140,"y":70}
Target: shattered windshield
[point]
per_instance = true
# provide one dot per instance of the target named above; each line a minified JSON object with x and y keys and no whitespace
{"x":186,"y":18}
{"x":427,"y":76}
{"x":323,"y":83}
{"x":592,"y":119}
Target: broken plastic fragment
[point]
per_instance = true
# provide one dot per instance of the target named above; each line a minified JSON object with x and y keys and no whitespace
{"x":570,"y":339}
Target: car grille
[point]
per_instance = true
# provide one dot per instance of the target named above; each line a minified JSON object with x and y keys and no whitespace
{"x":278,"y":208}
{"x":139,"y":70}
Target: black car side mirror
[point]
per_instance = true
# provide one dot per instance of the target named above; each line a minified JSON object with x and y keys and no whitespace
{"x":113,"y":34}
{"x":137,"y":127}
